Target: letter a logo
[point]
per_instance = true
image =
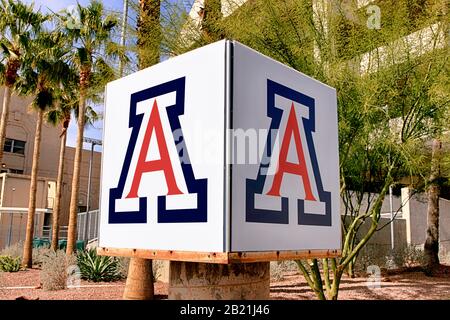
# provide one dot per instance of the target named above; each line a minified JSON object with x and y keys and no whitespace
{"x":163,"y":164}
{"x":137,"y":166}
{"x":295,"y":160}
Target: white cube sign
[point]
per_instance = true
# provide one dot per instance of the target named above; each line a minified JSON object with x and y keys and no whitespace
{"x":221,"y":149}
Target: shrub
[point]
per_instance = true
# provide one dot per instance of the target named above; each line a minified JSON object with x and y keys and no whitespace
{"x":408,"y":256}
{"x":9,"y":264}
{"x":157,"y":267}
{"x":372,"y":254}
{"x":278,"y":269}
{"x":98,"y":268}
{"x":40,"y":254}
{"x":124,"y":264}
{"x":15,"y":250}
{"x":54,"y":270}
{"x":381,"y":255}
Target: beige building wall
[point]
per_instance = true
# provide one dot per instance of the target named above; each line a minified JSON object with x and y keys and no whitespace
{"x":415,"y":214}
{"x":14,"y":203}
{"x":21,"y":126}
{"x":14,"y":188}
{"x":15,"y":191}
{"x":67,"y":182}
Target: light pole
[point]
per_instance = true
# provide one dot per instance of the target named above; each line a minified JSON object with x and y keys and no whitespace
{"x":391,"y":209}
{"x":93,"y":143}
{"x":123,"y":33}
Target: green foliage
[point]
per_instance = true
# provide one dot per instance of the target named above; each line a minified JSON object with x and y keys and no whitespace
{"x":19,"y":24}
{"x":389,"y":103}
{"x":98,"y":268}
{"x":90,"y":39}
{"x":16,"y":251}
{"x":148,"y":33}
{"x":9,"y":264}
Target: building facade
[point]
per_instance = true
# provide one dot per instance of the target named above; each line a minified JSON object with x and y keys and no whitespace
{"x":16,"y":169}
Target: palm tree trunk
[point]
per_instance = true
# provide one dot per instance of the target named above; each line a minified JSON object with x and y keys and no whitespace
{"x":59,"y":181}
{"x":212,"y":14}
{"x":4,"y":118}
{"x":139,"y":285}
{"x":431,"y":247}
{"x":73,"y":212}
{"x":27,"y":260}
{"x":149,"y":33}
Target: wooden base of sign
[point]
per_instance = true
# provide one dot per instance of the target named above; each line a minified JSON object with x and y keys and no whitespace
{"x":219,"y":257}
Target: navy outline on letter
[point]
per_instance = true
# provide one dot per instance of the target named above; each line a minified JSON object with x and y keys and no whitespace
{"x":198,"y":186}
{"x":256,"y":186}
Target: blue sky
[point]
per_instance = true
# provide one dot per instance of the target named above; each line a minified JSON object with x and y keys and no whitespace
{"x":94,"y":131}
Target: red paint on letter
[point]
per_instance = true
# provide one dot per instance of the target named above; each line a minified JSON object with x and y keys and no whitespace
{"x":288,"y":167}
{"x":164,"y":164}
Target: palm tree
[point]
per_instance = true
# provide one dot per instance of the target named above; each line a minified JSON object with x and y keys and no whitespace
{"x":139,"y":285}
{"x":431,"y":246}
{"x":19,"y":24}
{"x":61,"y":115}
{"x":149,"y":33}
{"x":41,"y":75}
{"x":91,"y":40}
{"x":211,"y":16}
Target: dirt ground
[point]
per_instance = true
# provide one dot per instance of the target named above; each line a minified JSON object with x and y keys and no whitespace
{"x":26,"y":285}
{"x":400,"y":286}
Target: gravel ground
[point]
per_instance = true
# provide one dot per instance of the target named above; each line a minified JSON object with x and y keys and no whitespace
{"x":26,"y":285}
{"x":401,"y":286}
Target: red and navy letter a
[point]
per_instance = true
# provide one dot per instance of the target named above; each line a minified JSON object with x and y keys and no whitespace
{"x":137,"y":165}
{"x":295,"y":161}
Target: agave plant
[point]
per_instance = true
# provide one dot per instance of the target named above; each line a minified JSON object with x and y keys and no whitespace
{"x":9,"y":264}
{"x":98,"y":268}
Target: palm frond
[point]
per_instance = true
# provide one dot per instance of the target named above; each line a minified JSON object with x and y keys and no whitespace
{"x":54,"y":116}
{"x":44,"y":99}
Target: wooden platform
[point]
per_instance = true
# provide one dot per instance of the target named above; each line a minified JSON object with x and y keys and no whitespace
{"x":219,"y":257}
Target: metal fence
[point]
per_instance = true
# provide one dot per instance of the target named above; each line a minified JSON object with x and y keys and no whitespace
{"x":88,"y":232}
{"x":13,"y":224}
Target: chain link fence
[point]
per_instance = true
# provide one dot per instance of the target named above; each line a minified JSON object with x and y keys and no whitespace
{"x":13,"y":224}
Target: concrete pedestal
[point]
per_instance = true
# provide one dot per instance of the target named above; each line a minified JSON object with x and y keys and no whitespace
{"x":139,"y":285}
{"x":206,"y":281}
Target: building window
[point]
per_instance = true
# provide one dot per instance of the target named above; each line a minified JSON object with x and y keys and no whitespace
{"x":14,"y":146}
{"x":16,"y":171}
{"x":82,"y":209}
